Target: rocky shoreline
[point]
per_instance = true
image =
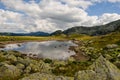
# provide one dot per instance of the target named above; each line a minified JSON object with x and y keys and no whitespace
{"x":15,"y":66}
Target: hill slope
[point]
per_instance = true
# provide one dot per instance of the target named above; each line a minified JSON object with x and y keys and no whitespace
{"x":95,"y":30}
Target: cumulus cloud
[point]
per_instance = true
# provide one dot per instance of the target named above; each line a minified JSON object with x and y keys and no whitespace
{"x":49,"y":15}
{"x":107,"y":17}
{"x":78,"y":3}
{"x":111,"y":1}
{"x":114,"y":1}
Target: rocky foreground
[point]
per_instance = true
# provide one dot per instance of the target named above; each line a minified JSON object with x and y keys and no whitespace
{"x":15,"y":66}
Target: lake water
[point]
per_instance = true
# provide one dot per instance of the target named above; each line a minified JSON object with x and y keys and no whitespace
{"x":46,"y":49}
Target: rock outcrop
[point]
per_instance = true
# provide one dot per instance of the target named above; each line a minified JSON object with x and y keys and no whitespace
{"x":99,"y":70}
{"x":14,"y":66}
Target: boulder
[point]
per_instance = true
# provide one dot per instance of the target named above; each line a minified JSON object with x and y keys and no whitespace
{"x":106,"y":70}
{"x":85,"y":75}
{"x":20,"y":66}
{"x":9,"y":72}
{"x":101,"y":69}
{"x":45,"y":76}
{"x":37,"y":66}
{"x":11,"y":57}
{"x":111,"y":46}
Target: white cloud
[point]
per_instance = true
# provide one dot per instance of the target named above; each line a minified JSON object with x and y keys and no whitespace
{"x":49,"y":15}
{"x":114,"y":1}
{"x":111,"y":1}
{"x":107,"y":17}
{"x":9,"y":20}
{"x":78,"y":3}
{"x":21,"y":5}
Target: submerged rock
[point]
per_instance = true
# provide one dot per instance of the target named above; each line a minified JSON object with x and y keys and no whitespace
{"x":44,"y":76}
{"x":99,"y":70}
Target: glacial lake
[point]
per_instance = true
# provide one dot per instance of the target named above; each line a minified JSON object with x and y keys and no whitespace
{"x":46,"y":49}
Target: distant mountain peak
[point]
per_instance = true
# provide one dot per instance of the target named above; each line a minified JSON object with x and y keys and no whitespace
{"x":26,"y":34}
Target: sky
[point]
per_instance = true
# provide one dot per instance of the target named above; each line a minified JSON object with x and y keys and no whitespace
{"x":24,"y":16}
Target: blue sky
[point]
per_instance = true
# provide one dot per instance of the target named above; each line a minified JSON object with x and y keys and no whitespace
{"x":51,"y":15}
{"x":2,"y":6}
{"x":37,"y":1}
{"x":104,"y":7}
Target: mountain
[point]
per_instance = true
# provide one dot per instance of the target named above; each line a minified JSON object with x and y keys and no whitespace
{"x":95,"y":30}
{"x":58,"y":32}
{"x":26,"y":34}
{"x":38,"y":34}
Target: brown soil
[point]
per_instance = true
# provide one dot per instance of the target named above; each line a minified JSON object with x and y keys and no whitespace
{"x":80,"y":55}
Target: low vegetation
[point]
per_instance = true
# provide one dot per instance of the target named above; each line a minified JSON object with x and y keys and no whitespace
{"x":90,"y":46}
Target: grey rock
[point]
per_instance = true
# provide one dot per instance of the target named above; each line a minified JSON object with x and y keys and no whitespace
{"x":20,"y":66}
{"x":105,"y":69}
{"x":85,"y":75}
{"x":111,"y":46}
{"x":11,"y":57}
{"x":44,"y":76}
{"x":37,"y":66}
{"x":101,"y":69}
{"x":9,"y":72}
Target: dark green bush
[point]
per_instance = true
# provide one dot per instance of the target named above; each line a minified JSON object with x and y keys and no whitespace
{"x":48,"y":61}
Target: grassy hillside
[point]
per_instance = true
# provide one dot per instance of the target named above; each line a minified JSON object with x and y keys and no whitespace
{"x":102,"y":41}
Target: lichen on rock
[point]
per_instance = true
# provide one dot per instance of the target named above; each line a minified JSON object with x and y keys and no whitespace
{"x":9,"y":72}
{"x":45,"y":76}
{"x":101,"y":69}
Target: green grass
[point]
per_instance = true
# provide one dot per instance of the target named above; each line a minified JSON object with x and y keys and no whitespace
{"x":102,"y":41}
{"x":16,"y":39}
{"x":71,"y":68}
{"x":79,"y":36}
{"x":24,"y":38}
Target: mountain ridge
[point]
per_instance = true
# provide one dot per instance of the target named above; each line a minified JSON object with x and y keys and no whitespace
{"x":25,"y":34}
{"x":94,"y":31}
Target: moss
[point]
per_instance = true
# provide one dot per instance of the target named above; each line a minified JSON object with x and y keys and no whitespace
{"x":2,"y":59}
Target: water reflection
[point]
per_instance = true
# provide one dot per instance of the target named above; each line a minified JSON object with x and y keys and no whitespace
{"x":46,"y":49}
